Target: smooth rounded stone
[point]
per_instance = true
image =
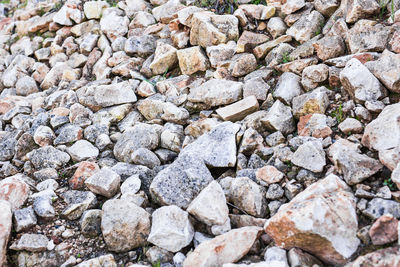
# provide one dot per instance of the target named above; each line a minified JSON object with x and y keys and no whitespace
{"x":275,"y":256}
{"x":207,"y":29}
{"x":84,"y":171}
{"x":43,"y":206}
{"x":26,"y":86}
{"x":360,"y":83}
{"x":131,"y":185}
{"x":310,"y":156}
{"x":306,"y":27}
{"x":113,"y":24}
{"x":14,"y":190}
{"x":90,"y":223}
{"x":125,"y":226}
{"x":31,"y":242}
{"x":378,"y":207}
{"x":351,"y":126}
{"x":313,"y":75}
{"x":44,"y":136}
{"x":225,"y":248}
{"x":24,"y":219}
{"x":348,"y":160}
{"x":330,"y":235}
{"x":106,"y":260}
{"x":104,"y":182}
{"x":82,"y":150}
{"x":140,"y":199}
{"x":94,"y":9}
{"x":47,"y":184}
{"x":164,"y":58}
{"x":5,"y":225}
{"x":171,"y":228}
{"x":48,"y":157}
{"x":288,"y":87}
{"x":140,"y":135}
{"x":210,"y":205}
{"x":269,"y":174}
{"x":298,"y":258}
{"x":316,"y":101}
{"x":384,"y":230}
{"x":192,"y":60}
{"x":248,"y":196}
{"x":68,"y":133}
{"x":77,"y":203}
{"x":276,"y":27}
{"x":279,"y":118}
{"x":242,"y":64}
{"x":382,"y":257}
{"x":216,"y":92}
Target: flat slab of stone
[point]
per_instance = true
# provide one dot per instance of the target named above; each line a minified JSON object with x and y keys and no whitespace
{"x":239,"y":110}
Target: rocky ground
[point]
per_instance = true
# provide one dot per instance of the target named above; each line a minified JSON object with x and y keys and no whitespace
{"x":199,"y":133}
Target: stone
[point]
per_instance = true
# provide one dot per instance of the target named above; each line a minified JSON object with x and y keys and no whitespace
{"x":326,"y":7}
{"x":310,"y":156}
{"x":356,"y":10}
{"x":387,"y":256}
{"x":275,"y":256}
{"x":144,"y":156}
{"x":85,"y":170}
{"x":104,"y":182}
{"x":5,"y":225}
{"x":225,"y":248}
{"x":26,"y":86}
{"x":316,"y":101}
{"x":386,"y":70}
{"x":140,"y":45}
{"x":384,"y":230}
{"x":140,"y":135}
{"x":360,"y":83}
{"x":77,"y":203}
{"x":382,"y":133}
{"x":329,"y":47}
{"x":44,"y":136}
{"x":68,"y":133}
{"x":262,"y":50}
{"x":210,"y":205}
{"x":113,"y":24}
{"x":48,"y":157}
{"x":242,"y":64}
{"x":90,"y":223}
{"x":378,"y":207}
{"x":348,"y":160}
{"x":220,"y":55}
{"x":42,"y":204}
{"x":216,"y":92}
{"x":258,"y":12}
{"x":279,"y":118}
{"x":82,"y":150}
{"x":288,"y":87}
{"x":365,"y":36}
{"x":239,"y":110}
{"x":124,"y":225}
{"x":192,"y":60}
{"x":298,"y":258}
{"x":68,"y":14}
{"x":31,"y":242}
{"x":164,"y":58}
{"x":131,"y":185}
{"x":14,"y":190}
{"x":257,"y":87}
{"x":171,"y":228}
{"x":276,"y":27}
{"x":114,"y":94}
{"x":351,"y":126}
{"x":313,"y":75}
{"x":315,"y":125}
{"x":107,"y":260}
{"x":292,"y":6}
{"x":94,"y":9}
{"x":331,"y":236}
{"x":248,"y":40}
{"x":306,"y":27}
{"x":24,"y":219}
{"x":269,"y":174}
{"x":210,"y":29}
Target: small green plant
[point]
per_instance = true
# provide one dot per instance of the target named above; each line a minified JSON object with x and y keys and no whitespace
{"x":219,"y":6}
{"x":112,"y":3}
{"x":392,"y":10}
{"x":4,"y":1}
{"x":286,"y":58}
{"x":388,"y":182}
{"x":382,"y":6}
{"x":165,"y":74}
{"x":338,"y":114}
{"x":78,"y":255}
{"x":258,"y":2}
{"x":157,"y":264}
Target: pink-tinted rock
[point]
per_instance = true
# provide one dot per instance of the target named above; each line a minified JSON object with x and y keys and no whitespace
{"x":388,"y":257}
{"x":226,"y":248}
{"x":321,"y":220}
{"x":384,"y":230}
{"x":84,"y":171}
{"x":269,"y":174}
{"x":5,"y":228}
{"x":14,"y":190}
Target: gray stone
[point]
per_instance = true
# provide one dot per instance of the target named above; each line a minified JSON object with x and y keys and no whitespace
{"x":378,"y":207}
{"x":279,"y":118}
{"x":31,"y":242}
{"x":310,"y":156}
{"x":104,"y":182}
{"x":275,"y":256}
{"x":90,"y":223}
{"x":306,"y":27}
{"x":24,"y":219}
{"x":48,"y":157}
{"x":144,"y":156}
{"x":288,"y":87}
{"x":82,"y":150}
{"x":77,"y":203}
